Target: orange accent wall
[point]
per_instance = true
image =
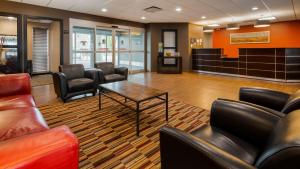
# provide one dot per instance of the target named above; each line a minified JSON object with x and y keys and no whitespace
{"x":282,"y":35}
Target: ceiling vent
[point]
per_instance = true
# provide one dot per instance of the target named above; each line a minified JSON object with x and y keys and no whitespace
{"x":152,"y":9}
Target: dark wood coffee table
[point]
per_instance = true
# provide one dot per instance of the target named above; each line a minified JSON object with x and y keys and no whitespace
{"x":136,"y":93}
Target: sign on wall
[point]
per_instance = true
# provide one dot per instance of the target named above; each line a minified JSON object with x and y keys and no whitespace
{"x":251,"y":37}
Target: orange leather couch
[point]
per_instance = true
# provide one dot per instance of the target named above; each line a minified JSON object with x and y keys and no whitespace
{"x":26,"y":141}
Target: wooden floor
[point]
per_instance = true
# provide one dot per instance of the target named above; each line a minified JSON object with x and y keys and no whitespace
{"x":192,"y":88}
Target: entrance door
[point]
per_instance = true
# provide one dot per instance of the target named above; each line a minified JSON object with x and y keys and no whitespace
{"x":40,"y":53}
{"x":104,"y":45}
{"x":122,"y":49}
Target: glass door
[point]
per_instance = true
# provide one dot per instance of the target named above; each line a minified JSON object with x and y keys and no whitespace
{"x":122,"y":49}
{"x":104,"y":45}
{"x":83,"y":46}
{"x":137,"y":51}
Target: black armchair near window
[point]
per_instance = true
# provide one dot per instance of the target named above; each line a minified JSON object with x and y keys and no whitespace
{"x":73,"y":80}
{"x":239,"y":136}
{"x":276,"y":100}
{"x":108,"y":73}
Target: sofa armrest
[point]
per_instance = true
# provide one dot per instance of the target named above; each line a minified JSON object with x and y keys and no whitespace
{"x":122,"y":71}
{"x":15,"y":84}
{"x":243,"y":121}
{"x":56,"y":148}
{"x":182,"y":150}
{"x":60,"y":84}
{"x":264,"y":97}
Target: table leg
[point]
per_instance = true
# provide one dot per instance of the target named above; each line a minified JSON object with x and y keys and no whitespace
{"x":100,"y":92}
{"x":167,"y":107}
{"x":138,"y":119}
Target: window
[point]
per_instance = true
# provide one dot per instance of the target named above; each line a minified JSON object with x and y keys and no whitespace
{"x":83,"y":46}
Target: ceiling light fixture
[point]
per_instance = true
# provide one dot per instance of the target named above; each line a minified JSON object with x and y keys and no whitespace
{"x":262,"y":23}
{"x":104,"y":10}
{"x":203,"y":17}
{"x":207,"y":29}
{"x":213,"y":25}
{"x":178,"y":9}
{"x":254,"y":8}
{"x":10,"y":18}
{"x":143,"y":17}
{"x":233,"y":26}
{"x":267,"y":18}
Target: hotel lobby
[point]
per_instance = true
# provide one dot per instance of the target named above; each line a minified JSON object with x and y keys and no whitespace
{"x":115,"y":84}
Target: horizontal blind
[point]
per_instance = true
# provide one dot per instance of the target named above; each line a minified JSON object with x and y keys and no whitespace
{"x":40,"y":50}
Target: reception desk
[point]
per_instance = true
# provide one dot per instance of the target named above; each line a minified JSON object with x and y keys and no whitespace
{"x":280,"y":64}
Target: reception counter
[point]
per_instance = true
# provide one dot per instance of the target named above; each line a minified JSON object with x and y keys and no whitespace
{"x":280,"y":64}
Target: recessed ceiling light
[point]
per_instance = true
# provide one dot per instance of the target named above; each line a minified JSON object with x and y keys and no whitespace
{"x":254,"y":8}
{"x":10,"y":18}
{"x":104,"y":10}
{"x":143,"y":17}
{"x":178,"y":9}
{"x":213,"y":25}
{"x":267,"y":18}
{"x":203,"y":17}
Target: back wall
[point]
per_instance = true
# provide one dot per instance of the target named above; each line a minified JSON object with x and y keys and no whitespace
{"x":282,"y":35}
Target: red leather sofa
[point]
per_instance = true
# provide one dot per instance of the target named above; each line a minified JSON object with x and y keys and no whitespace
{"x":26,"y":141}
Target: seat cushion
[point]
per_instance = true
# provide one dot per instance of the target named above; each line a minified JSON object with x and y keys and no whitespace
{"x":80,"y":84}
{"x":228,"y":143}
{"x":16,"y":101}
{"x":114,"y":78}
{"x":21,"y":121}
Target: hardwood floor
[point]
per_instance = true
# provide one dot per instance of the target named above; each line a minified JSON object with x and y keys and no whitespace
{"x":192,"y":88}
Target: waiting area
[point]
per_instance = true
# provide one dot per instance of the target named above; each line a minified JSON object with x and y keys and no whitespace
{"x":150,"y":84}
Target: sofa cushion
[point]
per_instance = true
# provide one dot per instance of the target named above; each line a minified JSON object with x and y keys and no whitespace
{"x":114,"y":78}
{"x":228,"y":143}
{"x":21,"y":121}
{"x":16,"y":101}
{"x":106,"y":67}
{"x":80,"y":84}
{"x":72,"y":71}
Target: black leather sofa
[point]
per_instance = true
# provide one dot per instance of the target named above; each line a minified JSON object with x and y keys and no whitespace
{"x":239,"y":136}
{"x":108,"y":73}
{"x":276,"y":100}
{"x":73,"y":80}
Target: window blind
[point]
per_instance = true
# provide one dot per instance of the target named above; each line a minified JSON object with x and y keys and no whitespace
{"x":40,"y":61}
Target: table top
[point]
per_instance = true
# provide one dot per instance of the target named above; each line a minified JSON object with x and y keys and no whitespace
{"x":133,"y":91}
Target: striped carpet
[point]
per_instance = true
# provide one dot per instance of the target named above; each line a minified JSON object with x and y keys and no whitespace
{"x":108,"y":138}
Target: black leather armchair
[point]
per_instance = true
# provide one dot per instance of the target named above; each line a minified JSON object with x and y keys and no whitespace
{"x":275,"y":100}
{"x":73,"y":80}
{"x":108,"y":73}
{"x":239,"y":136}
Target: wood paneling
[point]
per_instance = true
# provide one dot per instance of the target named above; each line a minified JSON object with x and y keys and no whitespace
{"x":275,"y":63}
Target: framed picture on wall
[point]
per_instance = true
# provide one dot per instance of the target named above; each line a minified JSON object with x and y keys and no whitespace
{"x":250,"y":37}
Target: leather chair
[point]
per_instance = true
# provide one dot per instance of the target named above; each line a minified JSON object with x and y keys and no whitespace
{"x":108,"y":73}
{"x":276,"y":100}
{"x":73,"y":80}
{"x":239,"y":136}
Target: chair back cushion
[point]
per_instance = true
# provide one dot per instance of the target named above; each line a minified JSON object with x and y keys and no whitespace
{"x":293,"y":103}
{"x":72,"y":71}
{"x":107,"y":67}
{"x":283,"y":150}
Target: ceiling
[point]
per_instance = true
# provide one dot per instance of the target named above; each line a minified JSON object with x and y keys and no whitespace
{"x":216,"y":11}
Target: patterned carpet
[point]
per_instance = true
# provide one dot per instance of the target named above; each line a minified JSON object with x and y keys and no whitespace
{"x":108,"y":138}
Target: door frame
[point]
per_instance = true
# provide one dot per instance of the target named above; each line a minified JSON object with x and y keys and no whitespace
{"x":25,"y":21}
